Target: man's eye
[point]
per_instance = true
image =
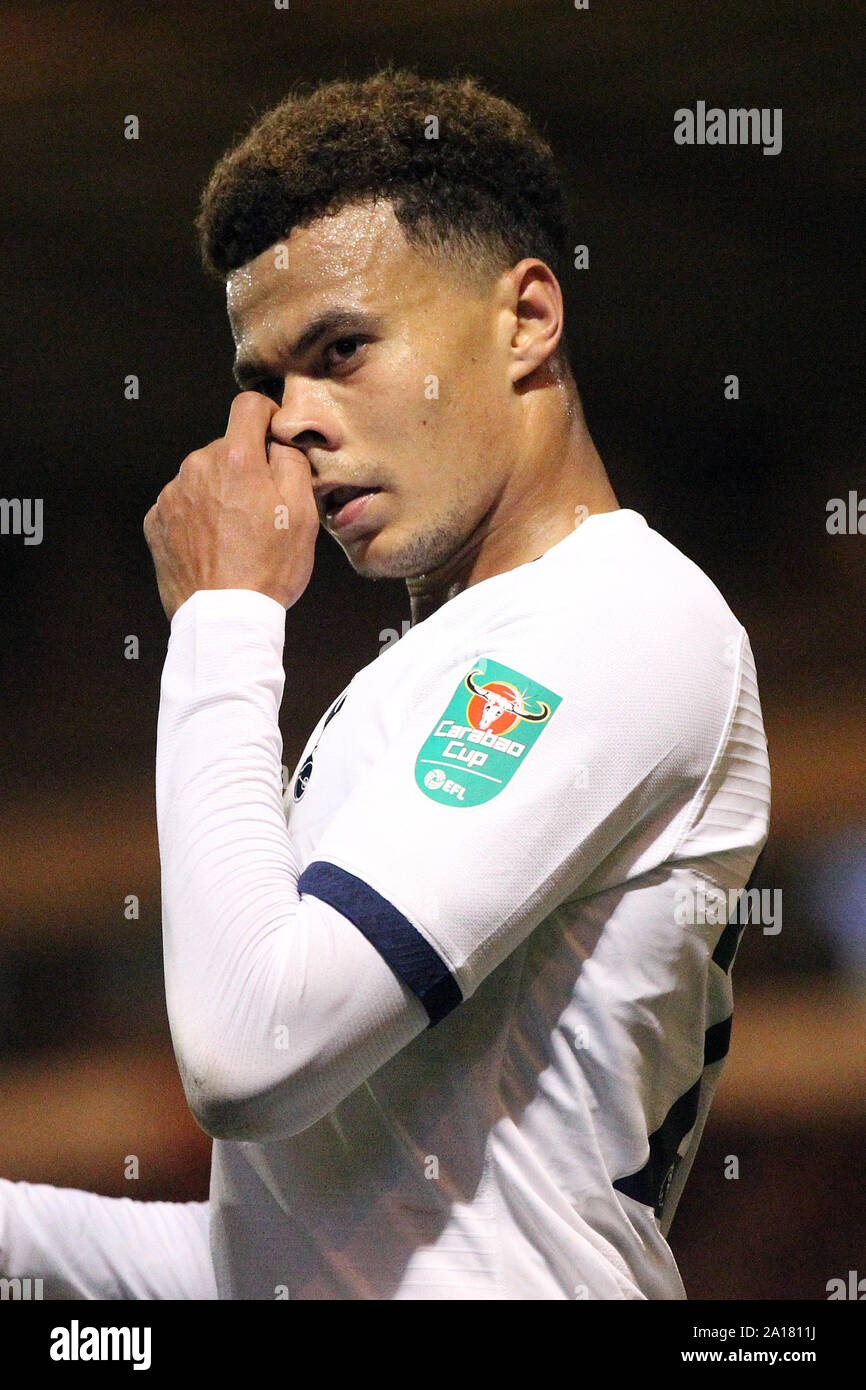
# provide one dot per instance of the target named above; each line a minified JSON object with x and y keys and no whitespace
{"x":343,"y":348}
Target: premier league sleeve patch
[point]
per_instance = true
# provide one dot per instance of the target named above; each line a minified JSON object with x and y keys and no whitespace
{"x":492,"y":720}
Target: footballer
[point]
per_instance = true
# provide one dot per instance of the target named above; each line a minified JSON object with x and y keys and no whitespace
{"x":436,"y":1001}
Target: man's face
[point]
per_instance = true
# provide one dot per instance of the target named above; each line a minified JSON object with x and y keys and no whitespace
{"x":404,"y":389}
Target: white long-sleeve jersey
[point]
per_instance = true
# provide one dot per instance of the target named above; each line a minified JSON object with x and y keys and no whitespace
{"x":452,"y":1006}
{"x":60,"y":1243}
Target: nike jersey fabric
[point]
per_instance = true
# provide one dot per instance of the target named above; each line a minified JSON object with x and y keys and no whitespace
{"x":450,"y":1005}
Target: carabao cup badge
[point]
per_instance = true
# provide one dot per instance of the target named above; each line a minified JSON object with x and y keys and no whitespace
{"x":492,"y":720}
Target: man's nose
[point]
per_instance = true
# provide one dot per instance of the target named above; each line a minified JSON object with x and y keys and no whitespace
{"x":300,"y":425}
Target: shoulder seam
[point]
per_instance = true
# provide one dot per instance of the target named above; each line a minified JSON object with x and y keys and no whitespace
{"x":700,"y":798}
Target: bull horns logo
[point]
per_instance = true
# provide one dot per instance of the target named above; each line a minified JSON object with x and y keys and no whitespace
{"x":496,"y":704}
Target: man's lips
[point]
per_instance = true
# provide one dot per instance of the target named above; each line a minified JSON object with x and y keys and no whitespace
{"x":345,"y":504}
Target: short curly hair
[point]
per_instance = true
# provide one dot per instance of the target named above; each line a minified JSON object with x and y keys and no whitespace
{"x":483,"y":193}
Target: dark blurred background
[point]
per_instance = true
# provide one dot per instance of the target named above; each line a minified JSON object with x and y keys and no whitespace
{"x":704,"y":261}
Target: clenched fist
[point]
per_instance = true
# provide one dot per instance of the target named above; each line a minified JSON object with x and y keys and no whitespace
{"x":234,"y":518}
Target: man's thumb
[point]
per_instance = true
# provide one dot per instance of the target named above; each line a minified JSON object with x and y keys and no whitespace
{"x":290,"y":469}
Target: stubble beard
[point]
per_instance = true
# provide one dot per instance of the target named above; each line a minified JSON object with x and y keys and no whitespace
{"x":432,"y":546}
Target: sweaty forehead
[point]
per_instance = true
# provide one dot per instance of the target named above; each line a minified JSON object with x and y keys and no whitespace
{"x":359,"y":253}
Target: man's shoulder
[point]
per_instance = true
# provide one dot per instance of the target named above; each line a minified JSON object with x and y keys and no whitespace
{"x":613,"y":564}
{"x":614,"y":601}
{"x":617,"y":592}
{"x":621,"y":565}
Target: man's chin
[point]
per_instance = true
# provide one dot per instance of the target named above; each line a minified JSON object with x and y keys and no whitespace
{"x":389,"y":553}
{"x":373,"y":557}
{"x":372,"y":563}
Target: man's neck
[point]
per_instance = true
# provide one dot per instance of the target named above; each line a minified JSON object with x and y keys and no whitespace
{"x":515,"y":533}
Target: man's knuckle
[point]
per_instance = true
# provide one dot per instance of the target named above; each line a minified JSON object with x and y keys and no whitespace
{"x":195,"y":462}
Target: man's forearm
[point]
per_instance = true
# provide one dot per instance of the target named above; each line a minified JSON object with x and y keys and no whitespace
{"x":84,"y":1246}
{"x":278,"y":1006}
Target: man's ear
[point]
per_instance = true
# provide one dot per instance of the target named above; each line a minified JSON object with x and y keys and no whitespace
{"x":537,"y":316}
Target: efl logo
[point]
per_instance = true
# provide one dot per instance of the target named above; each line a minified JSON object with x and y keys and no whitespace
{"x":469,"y":757}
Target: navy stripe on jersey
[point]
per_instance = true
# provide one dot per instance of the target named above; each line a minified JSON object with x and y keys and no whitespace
{"x":717,"y":1042}
{"x":408,"y":953}
{"x":650,"y":1185}
{"x":729,"y":941}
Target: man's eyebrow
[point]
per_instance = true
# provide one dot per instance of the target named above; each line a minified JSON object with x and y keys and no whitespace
{"x":248,"y":369}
